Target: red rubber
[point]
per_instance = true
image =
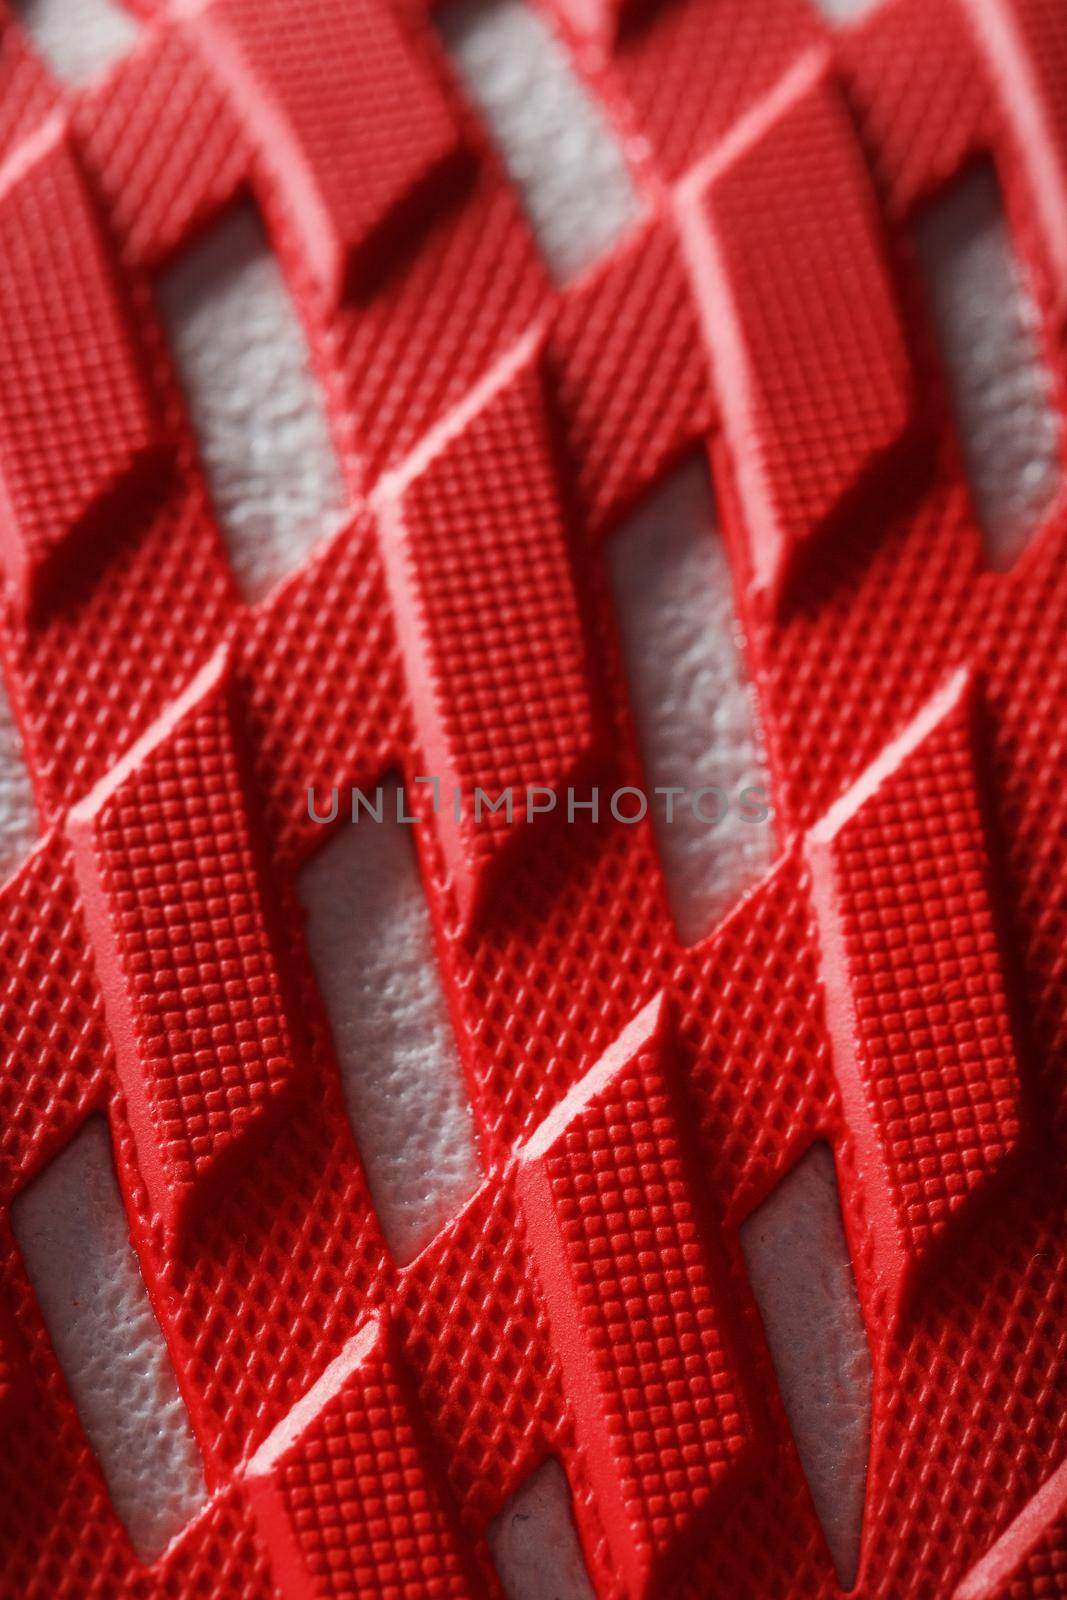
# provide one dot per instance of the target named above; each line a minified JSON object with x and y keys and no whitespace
{"x":895,"y":986}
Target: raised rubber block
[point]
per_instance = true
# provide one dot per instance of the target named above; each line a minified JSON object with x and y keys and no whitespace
{"x":74,"y":417}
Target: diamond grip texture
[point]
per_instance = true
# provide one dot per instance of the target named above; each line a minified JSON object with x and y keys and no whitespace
{"x":894,"y":986}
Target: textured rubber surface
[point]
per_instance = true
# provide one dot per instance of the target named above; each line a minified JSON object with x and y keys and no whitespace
{"x":892,"y":988}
